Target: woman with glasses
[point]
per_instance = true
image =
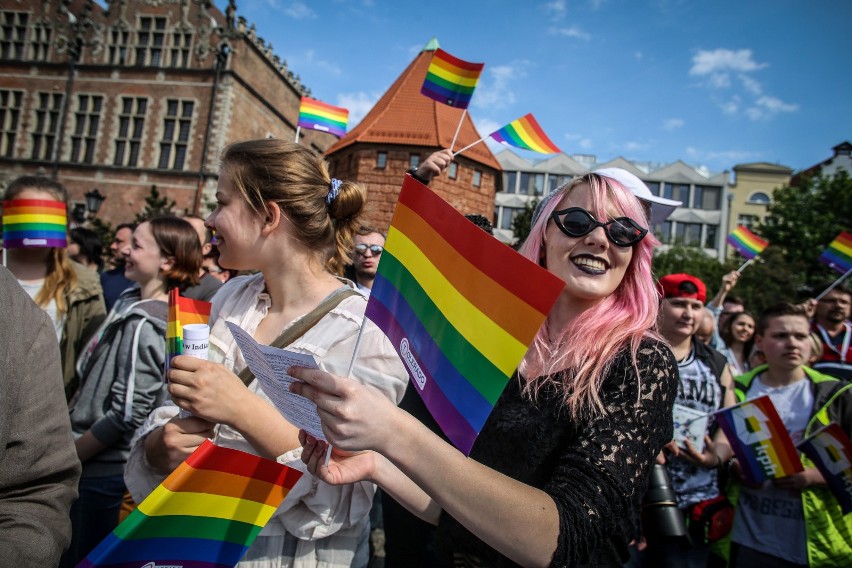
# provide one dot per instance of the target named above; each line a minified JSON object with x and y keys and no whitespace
{"x":366,"y":254}
{"x":557,"y":474}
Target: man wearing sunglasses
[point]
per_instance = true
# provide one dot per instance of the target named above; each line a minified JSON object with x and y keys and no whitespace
{"x":369,"y":244}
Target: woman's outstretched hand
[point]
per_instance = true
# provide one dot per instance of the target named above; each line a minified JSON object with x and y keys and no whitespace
{"x":343,"y":467}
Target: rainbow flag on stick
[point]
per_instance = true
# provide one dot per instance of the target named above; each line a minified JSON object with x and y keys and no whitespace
{"x":34,"y":223}
{"x":747,"y":243}
{"x":451,"y":80}
{"x":182,"y":311}
{"x":759,"y":439}
{"x":838,"y":255}
{"x":525,"y":133}
{"x":204,"y":515}
{"x":459,"y":306}
{"x":831,"y":451}
{"x":317,"y":115}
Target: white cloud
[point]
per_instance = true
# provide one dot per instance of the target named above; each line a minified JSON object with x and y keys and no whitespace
{"x":359,"y":104}
{"x":486,"y":126}
{"x":638,"y":56}
{"x":632,"y":146}
{"x":297,"y":10}
{"x":493,"y":90}
{"x":766,"y":107}
{"x":571,"y":31}
{"x":721,"y":156}
{"x":722,"y":61}
{"x":556,"y":8}
{"x":671,"y":124}
{"x":309,"y":59}
{"x":751,"y":85}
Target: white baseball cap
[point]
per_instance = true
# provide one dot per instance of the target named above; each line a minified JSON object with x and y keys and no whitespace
{"x":661,"y":207}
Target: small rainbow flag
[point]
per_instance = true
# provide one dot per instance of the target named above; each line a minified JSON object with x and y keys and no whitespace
{"x":182,"y":311}
{"x":525,"y":133}
{"x":204,"y":515}
{"x":838,"y":255}
{"x":831,"y":451}
{"x":34,"y":223}
{"x":451,"y":80}
{"x":317,"y":115}
{"x":759,"y":439}
{"x":459,"y":306}
{"x":747,"y":243}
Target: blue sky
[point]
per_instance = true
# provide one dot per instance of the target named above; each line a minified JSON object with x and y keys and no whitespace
{"x":711,"y":83}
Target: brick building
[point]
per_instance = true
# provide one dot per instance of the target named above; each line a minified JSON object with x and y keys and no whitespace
{"x":403,"y":128}
{"x":145,"y":93}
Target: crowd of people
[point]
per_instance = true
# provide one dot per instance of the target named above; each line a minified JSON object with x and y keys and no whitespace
{"x":559,"y":474}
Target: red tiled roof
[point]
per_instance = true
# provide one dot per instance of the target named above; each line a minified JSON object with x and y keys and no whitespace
{"x":404,"y":116}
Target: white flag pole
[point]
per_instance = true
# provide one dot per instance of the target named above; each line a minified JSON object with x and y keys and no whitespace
{"x":458,"y":129}
{"x":745,"y":264}
{"x":468,"y":146}
{"x":834,"y":285}
{"x":297,"y":134}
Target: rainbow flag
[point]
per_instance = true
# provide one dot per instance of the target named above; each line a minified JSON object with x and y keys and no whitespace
{"x":747,"y":243}
{"x":838,"y":255}
{"x":182,"y":311}
{"x":525,"y":133}
{"x":451,"y":80}
{"x":459,"y":306}
{"x":34,"y":223}
{"x":204,"y":515}
{"x":831,"y":451}
{"x":759,"y":439}
{"x":317,"y":115}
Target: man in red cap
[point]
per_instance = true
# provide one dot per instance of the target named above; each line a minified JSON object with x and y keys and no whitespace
{"x":706,"y":385}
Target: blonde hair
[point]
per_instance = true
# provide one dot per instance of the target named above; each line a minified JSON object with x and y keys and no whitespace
{"x":270,"y":170}
{"x":60,"y":277}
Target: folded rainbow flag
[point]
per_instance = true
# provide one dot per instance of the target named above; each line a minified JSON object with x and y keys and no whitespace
{"x":831,"y":451}
{"x":451,"y":80}
{"x":317,"y":115}
{"x":182,"y":311}
{"x":838,"y":255}
{"x":204,"y":515}
{"x":759,"y":439}
{"x":34,"y":223}
{"x":747,"y":243}
{"x":525,"y":133}
{"x":459,"y":306}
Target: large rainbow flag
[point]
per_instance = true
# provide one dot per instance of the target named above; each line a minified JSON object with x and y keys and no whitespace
{"x":838,"y":255}
{"x":759,"y":439}
{"x":182,"y":311}
{"x":459,"y":306}
{"x":34,"y":223}
{"x":451,"y":80}
{"x":747,"y":243}
{"x":317,"y":115}
{"x":525,"y":133}
{"x":204,"y":515}
{"x":831,"y":451}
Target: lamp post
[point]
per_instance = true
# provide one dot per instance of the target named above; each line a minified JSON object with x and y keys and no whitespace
{"x":94,"y":200}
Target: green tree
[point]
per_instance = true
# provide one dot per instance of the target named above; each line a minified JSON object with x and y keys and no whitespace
{"x":522,"y":222}
{"x":155,"y":205}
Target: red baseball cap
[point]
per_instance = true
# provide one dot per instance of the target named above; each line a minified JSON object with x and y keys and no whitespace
{"x":671,"y":286}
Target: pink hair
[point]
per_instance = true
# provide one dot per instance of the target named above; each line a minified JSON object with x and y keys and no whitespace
{"x":580,"y":359}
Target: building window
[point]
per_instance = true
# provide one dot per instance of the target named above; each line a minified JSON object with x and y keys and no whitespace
{"x":708,"y":197}
{"x":654,"y":186}
{"x":181,"y":43}
{"x":663,"y":231}
{"x":87,"y":118}
{"x":10,"y":118}
{"x":176,"y":128}
{"x":381,"y":160}
{"x":477,"y":178}
{"x":40,"y":42}
{"x":507,"y":215}
{"x":45,"y":125}
{"x":414,"y":161}
{"x":678,"y":192}
{"x":759,"y":198}
{"x":150,"y":39}
{"x":747,"y":221}
{"x":509,"y":181}
{"x":711,"y":238}
{"x":554,"y":181}
{"x":688,"y":234}
{"x":118,"y":46}
{"x":131,"y":122}
{"x":453,"y":170}
{"x":13,"y":31}
{"x":531,"y":184}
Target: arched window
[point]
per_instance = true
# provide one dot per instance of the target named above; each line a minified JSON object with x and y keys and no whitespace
{"x":759,"y":198}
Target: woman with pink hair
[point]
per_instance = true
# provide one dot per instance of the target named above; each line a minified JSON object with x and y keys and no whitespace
{"x":558,"y":472}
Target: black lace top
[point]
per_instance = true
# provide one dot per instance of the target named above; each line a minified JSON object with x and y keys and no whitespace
{"x":594,"y":469}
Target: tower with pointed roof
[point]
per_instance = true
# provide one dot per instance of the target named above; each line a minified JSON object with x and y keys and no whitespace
{"x":403,"y":128}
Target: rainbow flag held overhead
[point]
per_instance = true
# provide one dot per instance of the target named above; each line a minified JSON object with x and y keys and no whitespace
{"x":451,"y":80}
{"x":34,"y":223}
{"x":747,"y":243}
{"x":525,"y":133}
{"x":204,"y":515}
{"x":182,"y":311}
{"x":759,"y":439}
{"x":831,"y":451}
{"x":838,"y":255}
{"x":317,"y":115}
{"x":459,"y":306}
